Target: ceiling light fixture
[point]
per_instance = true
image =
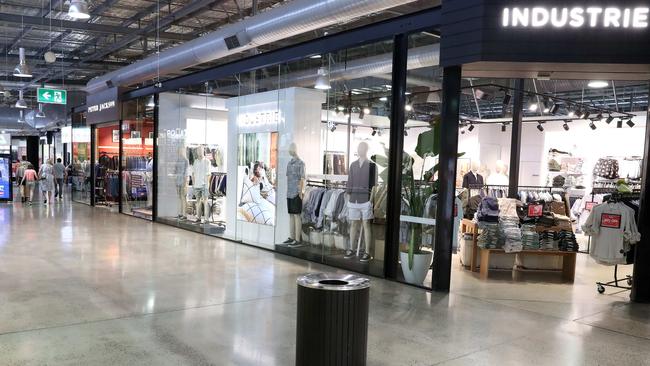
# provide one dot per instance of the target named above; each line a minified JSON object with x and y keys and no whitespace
{"x":40,"y":113}
{"x":554,"y":108}
{"x":592,"y":125}
{"x":598,"y":84}
{"x":315,"y":57}
{"x":22,"y":69}
{"x":503,"y":127}
{"x":506,"y":99}
{"x":21,"y":116}
{"x":374,"y":132}
{"x":333,"y":128}
{"x":585,"y":114}
{"x":609,"y":119}
{"x":533,"y":107}
{"x":322,"y":82}
{"x":565,"y":126}
{"x":540,"y":127}
{"x":406,"y":132}
{"x":151,"y":103}
{"x":619,"y":123}
{"x":383,"y":99}
{"x":547,"y":106}
{"x":471,"y":127}
{"x":408,"y":107}
{"x":571,"y":114}
{"x":354,"y":129}
{"x":362,"y":113}
{"x":630,"y":123}
{"x":78,"y":9}
{"x":21,"y":103}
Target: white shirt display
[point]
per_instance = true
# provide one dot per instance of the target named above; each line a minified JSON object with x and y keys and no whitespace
{"x":201,"y":169}
{"x":497,"y":179}
{"x":613,"y":228}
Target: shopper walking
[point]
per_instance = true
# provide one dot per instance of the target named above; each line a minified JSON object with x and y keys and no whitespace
{"x":59,"y":179}
{"x":47,"y":180}
{"x":20,"y":173}
{"x":29,"y":180}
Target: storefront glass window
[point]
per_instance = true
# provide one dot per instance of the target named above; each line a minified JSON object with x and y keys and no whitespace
{"x":79,"y":169}
{"x":106,"y":167}
{"x":137,"y":157}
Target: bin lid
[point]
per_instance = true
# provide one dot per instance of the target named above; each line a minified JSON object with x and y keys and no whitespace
{"x":333,"y":281}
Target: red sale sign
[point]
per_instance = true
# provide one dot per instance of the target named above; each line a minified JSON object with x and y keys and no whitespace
{"x":535,"y":210}
{"x":610,"y":221}
{"x":590,"y":205}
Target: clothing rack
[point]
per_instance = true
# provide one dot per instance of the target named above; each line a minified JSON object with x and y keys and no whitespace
{"x":325,"y":184}
{"x":600,"y":286}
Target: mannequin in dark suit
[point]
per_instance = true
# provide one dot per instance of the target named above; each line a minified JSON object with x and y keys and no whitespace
{"x":472,"y":178}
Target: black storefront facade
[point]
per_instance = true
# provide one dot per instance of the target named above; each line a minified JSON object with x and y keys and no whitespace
{"x":481,"y":39}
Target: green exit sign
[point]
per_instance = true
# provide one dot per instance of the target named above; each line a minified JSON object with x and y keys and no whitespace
{"x":52,"y":96}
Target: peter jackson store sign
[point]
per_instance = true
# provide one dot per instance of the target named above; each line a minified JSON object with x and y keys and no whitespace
{"x":104,"y":106}
{"x":553,"y":31}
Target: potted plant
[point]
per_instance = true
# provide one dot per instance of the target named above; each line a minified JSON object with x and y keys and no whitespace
{"x":416,"y":189}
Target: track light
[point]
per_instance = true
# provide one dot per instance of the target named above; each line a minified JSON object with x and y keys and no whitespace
{"x":619,"y":123}
{"x":471,"y":127}
{"x":22,"y":69}
{"x":406,"y":132}
{"x":354,"y":130}
{"x":21,"y":103}
{"x":547,"y":106}
{"x":554,"y":108}
{"x":565,"y":126}
{"x":503,"y":127}
{"x":322,"y":82}
{"x":585,"y":114}
{"x":533,"y":107}
{"x":540,"y":127}
{"x":599,"y":117}
{"x":630,"y":123}
{"x":571,"y":114}
{"x":379,"y":132}
{"x":78,"y":9}
{"x":408,"y":107}
{"x":609,"y":119}
{"x":506,"y":99}
{"x":462,"y":131}
{"x":578,"y":113}
{"x":592,"y":125}
{"x":333,"y":128}
{"x":374,"y":132}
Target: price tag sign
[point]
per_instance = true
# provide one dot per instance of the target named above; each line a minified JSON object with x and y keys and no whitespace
{"x":610,"y":221}
{"x":535,"y":210}
{"x":590,"y":206}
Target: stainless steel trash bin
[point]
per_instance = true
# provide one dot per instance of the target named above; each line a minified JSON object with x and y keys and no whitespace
{"x":332,"y":327}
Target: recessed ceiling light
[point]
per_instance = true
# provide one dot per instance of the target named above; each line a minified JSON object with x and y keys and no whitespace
{"x":598,"y":84}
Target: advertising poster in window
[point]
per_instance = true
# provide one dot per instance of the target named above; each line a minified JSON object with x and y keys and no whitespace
{"x":5,"y":178}
{"x":258,"y":174}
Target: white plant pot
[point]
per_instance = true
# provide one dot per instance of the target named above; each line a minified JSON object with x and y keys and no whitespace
{"x":421,"y":264}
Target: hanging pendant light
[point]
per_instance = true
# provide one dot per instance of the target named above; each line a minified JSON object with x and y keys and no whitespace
{"x":151,"y":103}
{"x":22,"y":69}
{"x":40,"y":113}
{"x":21,"y":116}
{"x":78,"y":9}
{"x":21,"y":103}
{"x":322,"y":82}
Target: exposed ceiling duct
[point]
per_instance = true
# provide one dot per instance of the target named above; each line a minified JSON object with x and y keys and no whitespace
{"x":9,"y":119}
{"x":297,"y":17}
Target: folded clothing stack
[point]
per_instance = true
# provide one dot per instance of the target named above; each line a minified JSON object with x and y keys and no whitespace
{"x":510,"y":234}
{"x":489,"y":237}
{"x":548,"y":240}
{"x":529,"y":237}
{"x":567,"y":241}
{"x":488,"y":210}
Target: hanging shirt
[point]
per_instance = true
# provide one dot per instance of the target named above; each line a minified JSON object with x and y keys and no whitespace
{"x":613,"y":229}
{"x":295,"y":173}
{"x":201,"y":170}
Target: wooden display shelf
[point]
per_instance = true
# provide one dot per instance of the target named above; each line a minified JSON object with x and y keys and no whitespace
{"x":568,"y":260}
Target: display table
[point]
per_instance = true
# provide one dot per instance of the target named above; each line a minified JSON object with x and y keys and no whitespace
{"x":568,"y":260}
{"x":468,"y":226}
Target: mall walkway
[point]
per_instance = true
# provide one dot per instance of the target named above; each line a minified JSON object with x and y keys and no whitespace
{"x":81,"y":286}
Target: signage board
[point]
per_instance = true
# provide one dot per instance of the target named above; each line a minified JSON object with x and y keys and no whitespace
{"x":5,"y":143}
{"x":548,"y":31}
{"x":5,"y":178}
{"x":66,"y":134}
{"x":52,"y":96}
{"x":104,"y":106}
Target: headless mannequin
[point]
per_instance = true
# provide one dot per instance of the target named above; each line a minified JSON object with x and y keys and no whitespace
{"x":201,"y":183}
{"x":181,"y":182}
{"x":473,"y":178}
{"x":357,"y":225}
{"x":295,"y":220}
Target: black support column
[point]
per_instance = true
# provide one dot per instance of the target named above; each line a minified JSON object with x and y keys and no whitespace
{"x":451,"y":85}
{"x":397,"y":121}
{"x":515,"y":143}
{"x":33,"y":146}
{"x":641,"y":275}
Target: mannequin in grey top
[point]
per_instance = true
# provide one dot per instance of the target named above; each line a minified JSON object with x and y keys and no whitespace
{"x":180,"y":172}
{"x":295,"y":188}
{"x":362,"y":177}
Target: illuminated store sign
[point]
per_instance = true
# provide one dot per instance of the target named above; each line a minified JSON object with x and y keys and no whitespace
{"x":576,"y":17}
{"x":259,"y":119}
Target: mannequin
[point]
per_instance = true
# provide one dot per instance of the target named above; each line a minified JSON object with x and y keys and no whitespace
{"x":499,"y":177}
{"x":473,"y":178}
{"x":180,"y":172}
{"x":201,"y":181}
{"x":149,"y":180}
{"x":362,"y":177}
{"x":295,"y":187}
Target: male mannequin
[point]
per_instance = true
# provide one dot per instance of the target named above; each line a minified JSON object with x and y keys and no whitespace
{"x":362,"y":177}
{"x":149,"y":180}
{"x":472,"y":178}
{"x":180,"y":173}
{"x":295,"y":185}
{"x":201,"y":182}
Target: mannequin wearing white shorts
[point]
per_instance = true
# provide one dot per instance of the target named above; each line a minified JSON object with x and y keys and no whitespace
{"x":362,"y":177}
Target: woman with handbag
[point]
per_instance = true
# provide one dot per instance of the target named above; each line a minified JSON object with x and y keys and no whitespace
{"x":47,"y":180}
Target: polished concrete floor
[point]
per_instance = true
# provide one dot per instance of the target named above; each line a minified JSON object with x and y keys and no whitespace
{"x":81,"y":286}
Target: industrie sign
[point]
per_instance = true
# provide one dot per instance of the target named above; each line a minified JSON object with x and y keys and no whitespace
{"x":576,"y":17}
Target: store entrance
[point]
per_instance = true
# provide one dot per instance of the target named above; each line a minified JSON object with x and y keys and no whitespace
{"x":106,"y":177}
{"x":565,"y":228}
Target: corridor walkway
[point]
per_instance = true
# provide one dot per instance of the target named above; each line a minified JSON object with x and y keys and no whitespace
{"x":82,"y":286}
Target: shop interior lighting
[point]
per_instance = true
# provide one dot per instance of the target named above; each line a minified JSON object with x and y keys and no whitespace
{"x":598,"y":84}
{"x":506,"y":99}
{"x":40,"y":113}
{"x":362,"y":113}
{"x":151,"y":103}
{"x":585,"y":114}
{"x":22,"y":69}
{"x":21,"y":116}
{"x":547,"y":106}
{"x":315,"y":57}
{"x":571,"y":114}
{"x":384,"y":99}
{"x":322,"y":82}
{"x":408,"y":107}
{"x":462,"y":130}
{"x":554,"y":108}
{"x":503,"y":127}
{"x":609,"y":119}
{"x":565,"y":126}
{"x":21,"y":103}
{"x":340,"y":108}
{"x":333,"y":128}
{"x":406,"y":132}
{"x":471,"y":127}
{"x":630,"y":123}
{"x":540,"y":127}
{"x":578,"y":113}
{"x":592,"y":125}
{"x":599,"y":117}
{"x":533,"y":107}
{"x":374,"y":131}
{"x":619,"y":123}
{"x":78,"y":9}
{"x":354,"y":129}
